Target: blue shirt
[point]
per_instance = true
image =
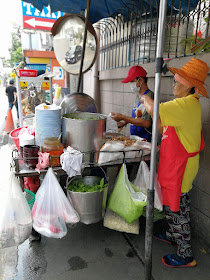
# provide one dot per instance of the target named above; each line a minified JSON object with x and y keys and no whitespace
{"x":138,"y":130}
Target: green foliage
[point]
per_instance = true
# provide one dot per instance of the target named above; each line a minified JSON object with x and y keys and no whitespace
{"x":79,"y":186}
{"x":192,"y":42}
{"x":5,"y":62}
{"x":16,"y":50}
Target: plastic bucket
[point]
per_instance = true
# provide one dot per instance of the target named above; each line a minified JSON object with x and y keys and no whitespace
{"x":90,"y":206}
{"x":14,"y":135}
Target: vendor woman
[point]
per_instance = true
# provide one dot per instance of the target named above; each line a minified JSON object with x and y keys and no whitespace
{"x":182,"y":140}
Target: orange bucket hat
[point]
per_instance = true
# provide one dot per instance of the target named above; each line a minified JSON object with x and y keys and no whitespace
{"x":195,"y":72}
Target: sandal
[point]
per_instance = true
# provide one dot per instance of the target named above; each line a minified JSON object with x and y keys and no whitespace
{"x":163,"y":237}
{"x":173,"y":260}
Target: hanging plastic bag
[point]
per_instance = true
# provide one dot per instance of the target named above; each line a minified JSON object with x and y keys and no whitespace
{"x":126,"y":200}
{"x":15,"y":218}
{"x":115,"y":222}
{"x":142,"y":184}
{"x":52,"y":210}
{"x":111,"y":125}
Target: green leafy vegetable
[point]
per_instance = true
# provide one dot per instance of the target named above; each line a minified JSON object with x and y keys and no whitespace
{"x":79,"y":186}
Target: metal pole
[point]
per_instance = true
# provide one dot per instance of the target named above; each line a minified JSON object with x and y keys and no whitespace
{"x":96,"y":84}
{"x":150,"y":192}
{"x":19,"y":100}
{"x":51,"y":90}
{"x":84,"y":44}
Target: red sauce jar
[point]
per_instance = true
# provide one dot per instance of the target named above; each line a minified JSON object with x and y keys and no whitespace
{"x":54,"y":147}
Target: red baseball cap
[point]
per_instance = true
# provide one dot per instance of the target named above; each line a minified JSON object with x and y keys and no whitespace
{"x":134,"y":72}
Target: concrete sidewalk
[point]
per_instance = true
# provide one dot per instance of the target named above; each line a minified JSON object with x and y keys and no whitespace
{"x":160,"y":249}
{"x":93,"y":252}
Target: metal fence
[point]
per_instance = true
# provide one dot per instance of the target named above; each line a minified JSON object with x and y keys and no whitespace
{"x":130,"y":38}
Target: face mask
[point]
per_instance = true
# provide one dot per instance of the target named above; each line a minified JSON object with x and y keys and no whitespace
{"x":134,"y":88}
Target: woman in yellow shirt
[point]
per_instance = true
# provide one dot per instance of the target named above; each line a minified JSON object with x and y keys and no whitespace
{"x":182,"y":140}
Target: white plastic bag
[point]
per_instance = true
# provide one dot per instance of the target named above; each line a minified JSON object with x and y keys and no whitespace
{"x":52,"y":210}
{"x":15,"y":217}
{"x":142,"y":183}
{"x":114,"y":148}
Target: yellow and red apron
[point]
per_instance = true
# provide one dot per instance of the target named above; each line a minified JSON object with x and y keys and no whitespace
{"x":171,"y":168}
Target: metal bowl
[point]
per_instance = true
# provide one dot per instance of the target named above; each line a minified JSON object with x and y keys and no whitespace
{"x":78,"y":102}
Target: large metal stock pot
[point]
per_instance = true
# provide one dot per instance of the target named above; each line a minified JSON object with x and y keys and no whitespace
{"x":84,"y":131}
{"x":78,"y":102}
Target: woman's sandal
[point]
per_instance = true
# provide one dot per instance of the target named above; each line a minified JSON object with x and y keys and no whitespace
{"x":173,"y":260}
{"x":163,"y":237}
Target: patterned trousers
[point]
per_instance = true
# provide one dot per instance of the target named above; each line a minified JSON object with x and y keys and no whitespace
{"x":179,"y":226}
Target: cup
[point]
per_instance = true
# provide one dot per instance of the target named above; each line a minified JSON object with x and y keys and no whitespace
{"x":138,"y":113}
{"x":30,"y":155}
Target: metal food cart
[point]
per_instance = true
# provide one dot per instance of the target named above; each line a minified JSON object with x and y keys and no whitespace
{"x":128,"y":8}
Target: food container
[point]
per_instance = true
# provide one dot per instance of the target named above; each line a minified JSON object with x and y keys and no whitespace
{"x":30,"y":155}
{"x":84,"y":131}
{"x":27,"y":73}
{"x":54,"y":147}
{"x":89,"y":205}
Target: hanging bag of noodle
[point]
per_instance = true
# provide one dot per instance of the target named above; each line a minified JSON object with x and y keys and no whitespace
{"x":48,"y":122}
{"x":126,"y":200}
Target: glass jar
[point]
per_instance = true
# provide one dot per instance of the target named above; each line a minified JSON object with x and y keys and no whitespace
{"x":54,"y":147}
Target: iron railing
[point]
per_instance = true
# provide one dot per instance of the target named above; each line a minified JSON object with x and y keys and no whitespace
{"x":130,"y":38}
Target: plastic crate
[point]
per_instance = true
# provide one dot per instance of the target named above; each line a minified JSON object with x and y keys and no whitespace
{"x":30,"y":197}
{"x":27,"y":73}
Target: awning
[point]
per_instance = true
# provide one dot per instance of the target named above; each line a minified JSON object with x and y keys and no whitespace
{"x":100,"y":9}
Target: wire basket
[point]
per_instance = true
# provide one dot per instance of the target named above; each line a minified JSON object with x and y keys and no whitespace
{"x":30,"y":197}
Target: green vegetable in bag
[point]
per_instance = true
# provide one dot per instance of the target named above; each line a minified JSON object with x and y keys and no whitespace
{"x":125,"y":200}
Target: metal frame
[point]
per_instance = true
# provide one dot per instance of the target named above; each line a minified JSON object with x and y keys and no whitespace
{"x":30,"y":80}
{"x":139,"y":43}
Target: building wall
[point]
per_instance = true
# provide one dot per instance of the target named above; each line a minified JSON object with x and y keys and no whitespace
{"x":117,"y":97}
{"x":53,"y":62}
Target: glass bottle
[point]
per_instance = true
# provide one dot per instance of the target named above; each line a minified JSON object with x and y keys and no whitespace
{"x":54,"y":147}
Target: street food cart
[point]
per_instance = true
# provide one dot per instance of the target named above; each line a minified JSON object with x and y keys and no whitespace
{"x":128,"y":8}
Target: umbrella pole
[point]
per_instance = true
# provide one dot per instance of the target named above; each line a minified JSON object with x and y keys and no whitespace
{"x":150,"y":192}
{"x":84,"y":44}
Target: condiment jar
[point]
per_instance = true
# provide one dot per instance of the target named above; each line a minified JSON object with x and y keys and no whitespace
{"x":54,"y":147}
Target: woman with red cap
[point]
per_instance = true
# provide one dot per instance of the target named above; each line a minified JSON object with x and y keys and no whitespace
{"x":182,"y":140}
{"x":140,"y":120}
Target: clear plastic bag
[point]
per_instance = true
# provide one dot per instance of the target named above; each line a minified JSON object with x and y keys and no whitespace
{"x":142,"y":183}
{"x":15,"y":218}
{"x":52,"y":210}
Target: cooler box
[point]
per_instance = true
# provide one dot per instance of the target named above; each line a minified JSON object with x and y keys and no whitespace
{"x":27,"y":73}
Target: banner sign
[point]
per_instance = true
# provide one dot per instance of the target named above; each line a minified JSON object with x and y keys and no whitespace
{"x":35,"y":19}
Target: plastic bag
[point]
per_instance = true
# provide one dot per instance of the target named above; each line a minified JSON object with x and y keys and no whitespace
{"x":115,"y":222}
{"x":114,"y":149}
{"x":142,"y":184}
{"x":111,"y":125}
{"x":126,"y":200}
{"x":52,"y":210}
{"x":15,"y":218}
